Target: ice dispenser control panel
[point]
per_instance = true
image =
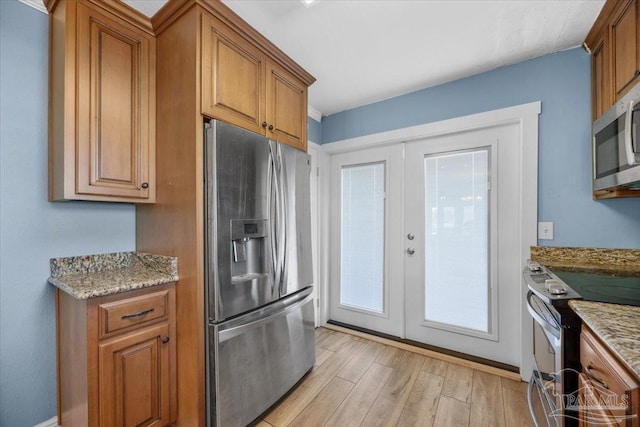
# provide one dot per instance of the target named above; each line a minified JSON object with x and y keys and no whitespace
{"x":248,"y":240}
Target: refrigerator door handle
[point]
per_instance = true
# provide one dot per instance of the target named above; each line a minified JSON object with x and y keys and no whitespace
{"x":227,"y":334}
{"x":273,"y":213}
{"x":282,"y":217}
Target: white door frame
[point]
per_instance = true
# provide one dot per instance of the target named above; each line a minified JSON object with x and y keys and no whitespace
{"x":314,"y":152}
{"x":525,"y":116}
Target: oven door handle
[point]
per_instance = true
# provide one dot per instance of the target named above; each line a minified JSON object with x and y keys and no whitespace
{"x":532,"y":384}
{"x":553,"y":329}
{"x":535,"y":383}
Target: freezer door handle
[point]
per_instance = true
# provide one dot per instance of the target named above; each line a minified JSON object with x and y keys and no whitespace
{"x":278,"y":217}
{"x":282,"y":217}
{"x":273,"y":213}
{"x":233,"y":331}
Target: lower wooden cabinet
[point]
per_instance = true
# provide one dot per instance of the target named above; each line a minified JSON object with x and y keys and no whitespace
{"x":116,"y":359}
{"x":609,"y":395}
{"x":592,"y":412}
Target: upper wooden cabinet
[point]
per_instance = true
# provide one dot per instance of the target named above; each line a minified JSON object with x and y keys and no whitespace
{"x":102,"y":103}
{"x":600,"y":76}
{"x":625,"y":48}
{"x":286,"y":107}
{"x":233,"y":83}
{"x":614,"y":41}
{"x":242,"y":85}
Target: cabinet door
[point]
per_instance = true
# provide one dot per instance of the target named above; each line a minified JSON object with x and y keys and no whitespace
{"x":115,"y":107}
{"x":600,"y":76}
{"x":286,"y":108}
{"x":591,"y":411}
{"x":134,"y":377}
{"x":232,"y":77}
{"x":626,"y":55}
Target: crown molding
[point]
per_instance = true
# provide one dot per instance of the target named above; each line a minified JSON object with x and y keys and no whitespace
{"x":36,"y":4}
{"x":314,"y":114}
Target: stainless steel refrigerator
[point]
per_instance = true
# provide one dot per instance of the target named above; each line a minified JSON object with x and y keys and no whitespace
{"x":258,"y":272}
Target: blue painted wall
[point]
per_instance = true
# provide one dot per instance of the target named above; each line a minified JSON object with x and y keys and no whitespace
{"x":314,"y":131}
{"x":562,"y":82}
{"x":32,"y":230}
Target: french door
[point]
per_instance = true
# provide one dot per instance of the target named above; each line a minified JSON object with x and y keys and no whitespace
{"x":462,"y":268}
{"x":366,"y":238}
{"x":425,"y":241}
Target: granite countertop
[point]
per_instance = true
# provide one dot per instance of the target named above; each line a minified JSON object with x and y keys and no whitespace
{"x":617,"y":326}
{"x":91,"y":276}
{"x":615,"y":262}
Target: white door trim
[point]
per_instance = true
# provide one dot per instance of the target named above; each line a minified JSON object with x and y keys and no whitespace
{"x":323,"y":162}
{"x":458,"y":124}
{"x":526,"y":116}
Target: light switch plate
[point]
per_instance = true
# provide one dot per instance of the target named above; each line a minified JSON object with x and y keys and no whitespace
{"x":545,"y":230}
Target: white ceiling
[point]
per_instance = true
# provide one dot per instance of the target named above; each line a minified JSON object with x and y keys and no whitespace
{"x":362,"y":51}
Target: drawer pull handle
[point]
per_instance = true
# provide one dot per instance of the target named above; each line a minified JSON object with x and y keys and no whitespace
{"x":138,"y":314}
{"x":165,"y":340}
{"x":589,"y":371}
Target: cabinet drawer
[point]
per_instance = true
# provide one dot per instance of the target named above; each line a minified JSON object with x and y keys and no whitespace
{"x":118,"y":315}
{"x":610,"y":379}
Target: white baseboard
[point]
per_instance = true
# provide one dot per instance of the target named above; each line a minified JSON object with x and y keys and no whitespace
{"x":52,"y":422}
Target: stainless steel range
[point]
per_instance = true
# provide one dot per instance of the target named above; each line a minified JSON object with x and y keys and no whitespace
{"x":556,"y":334}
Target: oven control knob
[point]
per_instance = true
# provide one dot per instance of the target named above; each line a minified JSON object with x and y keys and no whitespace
{"x":534,"y":266}
{"x":555,"y":287}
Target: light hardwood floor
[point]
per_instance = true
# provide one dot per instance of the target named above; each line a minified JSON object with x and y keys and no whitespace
{"x":360,"y":382}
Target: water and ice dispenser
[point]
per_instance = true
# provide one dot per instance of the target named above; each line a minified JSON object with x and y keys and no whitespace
{"x":249,"y":250}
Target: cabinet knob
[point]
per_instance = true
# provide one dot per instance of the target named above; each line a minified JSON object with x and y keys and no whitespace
{"x":165,"y":340}
{"x":145,"y":185}
{"x":264,"y":124}
{"x":270,"y":127}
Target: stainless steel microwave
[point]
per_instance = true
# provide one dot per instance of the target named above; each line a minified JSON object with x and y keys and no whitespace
{"x":616,"y":149}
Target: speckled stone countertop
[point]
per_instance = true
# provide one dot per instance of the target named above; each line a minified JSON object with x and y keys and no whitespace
{"x":617,"y":262}
{"x":93,"y":276}
{"x":618,"y":326}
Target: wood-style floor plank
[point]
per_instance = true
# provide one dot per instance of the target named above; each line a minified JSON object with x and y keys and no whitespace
{"x":357,"y":366}
{"x":362,"y":382}
{"x":431,"y":353}
{"x":487,"y":408}
{"x":307,"y":390}
{"x":514,"y":385}
{"x":420,"y":409}
{"x":516,"y":409}
{"x":435,"y":366}
{"x":357,"y":403}
{"x":457,"y":382}
{"x":322,"y":334}
{"x":322,"y":355}
{"x":335,"y":341}
{"x":318,"y":412}
{"x":452,"y":413}
{"x":390,"y":402}
{"x":389,"y":356}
